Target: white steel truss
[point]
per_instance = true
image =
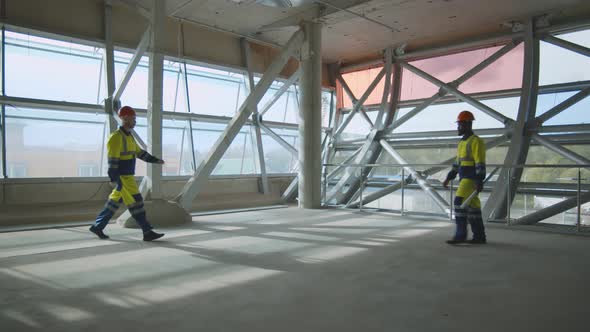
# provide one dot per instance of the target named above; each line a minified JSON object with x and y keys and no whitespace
{"x":197,"y":181}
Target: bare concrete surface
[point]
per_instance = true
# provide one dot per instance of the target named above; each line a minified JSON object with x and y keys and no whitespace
{"x":294,"y":270}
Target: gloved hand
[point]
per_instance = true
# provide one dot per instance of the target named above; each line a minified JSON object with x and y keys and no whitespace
{"x":479,"y":186}
{"x":115,"y":179}
{"x":446,"y":183}
{"x":160,"y":161}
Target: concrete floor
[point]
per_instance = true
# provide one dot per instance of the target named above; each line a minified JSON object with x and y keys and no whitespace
{"x":294,"y":270}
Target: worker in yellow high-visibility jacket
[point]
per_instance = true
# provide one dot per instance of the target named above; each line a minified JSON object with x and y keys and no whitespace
{"x":122,"y":151}
{"x":471,"y":167}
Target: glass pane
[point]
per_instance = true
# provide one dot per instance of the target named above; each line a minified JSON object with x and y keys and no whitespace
{"x":43,"y":143}
{"x":176,"y":148}
{"x":575,"y":114}
{"x":277,"y":111}
{"x":443,"y":117}
{"x":174,"y":100}
{"x":232,"y":161}
{"x":560,"y":65}
{"x":326,"y":103}
{"x":213,"y":92}
{"x":415,"y":87}
{"x":42,"y":68}
{"x":505,"y":73}
{"x":359,"y":81}
{"x":205,"y":135}
{"x":136,"y":91}
{"x":543,"y":156}
{"x":277,"y":158}
{"x":240,"y":157}
{"x":292,"y":112}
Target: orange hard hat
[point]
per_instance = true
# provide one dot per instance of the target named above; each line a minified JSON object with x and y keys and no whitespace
{"x":126,"y":111}
{"x":465,"y":116}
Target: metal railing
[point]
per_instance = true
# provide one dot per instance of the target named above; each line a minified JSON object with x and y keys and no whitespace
{"x":363,"y":170}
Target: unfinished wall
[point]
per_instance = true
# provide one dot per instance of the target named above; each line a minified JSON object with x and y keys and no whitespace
{"x":50,"y":201}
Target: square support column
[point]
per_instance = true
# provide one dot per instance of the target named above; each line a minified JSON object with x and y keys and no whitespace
{"x":155,"y":96}
{"x":310,"y":118}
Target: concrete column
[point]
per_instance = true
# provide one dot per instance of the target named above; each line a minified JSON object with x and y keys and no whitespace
{"x":3,"y":107}
{"x":155,"y":95}
{"x":109,"y":68}
{"x":310,"y":118}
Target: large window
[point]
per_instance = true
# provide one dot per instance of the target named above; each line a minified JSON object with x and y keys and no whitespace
{"x":52,"y":143}
{"x":43,"y":68}
{"x":49,"y":140}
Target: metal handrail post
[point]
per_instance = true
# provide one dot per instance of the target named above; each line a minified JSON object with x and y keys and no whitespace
{"x":579,"y":220}
{"x":362,"y":189}
{"x":325,"y":176}
{"x":451,"y":200}
{"x":402,"y":188}
{"x":508,"y":198}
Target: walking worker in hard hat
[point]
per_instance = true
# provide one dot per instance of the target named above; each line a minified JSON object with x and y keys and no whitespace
{"x":122,"y":151}
{"x":471,"y":167}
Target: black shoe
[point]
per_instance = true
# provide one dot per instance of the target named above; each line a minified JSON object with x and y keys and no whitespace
{"x":455,"y":241}
{"x":151,"y":235}
{"x":98,"y":233}
{"x":477,"y":241}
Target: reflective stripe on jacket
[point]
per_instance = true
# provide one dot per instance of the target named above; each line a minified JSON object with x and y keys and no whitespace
{"x":122,"y":150}
{"x":471,"y":158}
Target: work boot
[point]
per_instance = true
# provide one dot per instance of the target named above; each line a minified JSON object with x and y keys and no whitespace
{"x":455,"y":241}
{"x":477,"y":241}
{"x":151,"y":235}
{"x":98,"y":233}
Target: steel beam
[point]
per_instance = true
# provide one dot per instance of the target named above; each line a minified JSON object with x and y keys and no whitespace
{"x":484,"y":108}
{"x":182,"y":70}
{"x":379,"y":122}
{"x":563,"y":106}
{"x":188,"y":107}
{"x":294,"y":78}
{"x":497,"y":205}
{"x":360,"y":102}
{"x":507,"y":93}
{"x":578,"y":128}
{"x":567,"y":153}
{"x":291,"y":189}
{"x":141,"y":48}
{"x":352,"y":98}
{"x":245,"y":48}
{"x":492,"y":143}
{"x":466,"y":76}
{"x":396,"y":92}
{"x":346,"y":189}
{"x":443,"y":133}
{"x":197,"y":181}
{"x":567,"y":45}
{"x":439,"y":51}
{"x":376,"y":195}
{"x":440,"y":202}
{"x":279,"y":140}
{"x":552,"y":210}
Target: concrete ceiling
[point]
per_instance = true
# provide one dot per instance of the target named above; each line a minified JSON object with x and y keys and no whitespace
{"x":350,"y":38}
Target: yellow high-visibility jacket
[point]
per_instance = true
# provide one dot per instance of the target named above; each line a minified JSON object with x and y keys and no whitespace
{"x":122,"y":151}
{"x":471,"y":159}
